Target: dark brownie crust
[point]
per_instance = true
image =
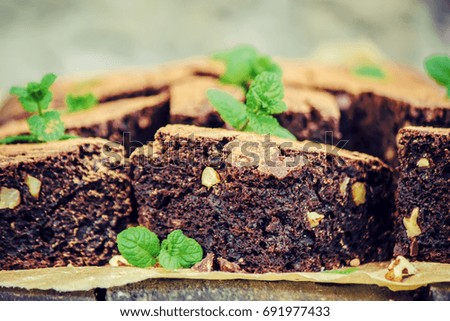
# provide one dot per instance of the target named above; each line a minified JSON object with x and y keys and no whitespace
{"x":258,"y":216}
{"x":74,"y":217}
{"x":423,"y":194}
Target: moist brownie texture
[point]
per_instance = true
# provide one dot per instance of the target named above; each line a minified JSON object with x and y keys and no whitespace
{"x":61,"y":203}
{"x":423,"y":213}
{"x":310,"y":113}
{"x":289,"y":206}
{"x":131,"y":122}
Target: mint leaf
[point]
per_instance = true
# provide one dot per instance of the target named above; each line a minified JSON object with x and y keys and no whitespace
{"x":19,"y":139}
{"x":76,"y":103}
{"x":36,"y":97}
{"x":48,"y":80}
{"x":46,"y":127}
{"x":438,"y":67}
{"x":232,"y":111}
{"x":179,"y":251}
{"x":18,"y":91}
{"x":139,"y":246}
{"x":244,"y":63}
{"x":266,"y":124}
{"x":264,"y":63}
{"x":369,"y":71}
{"x":238,"y":64}
{"x":342,"y":271}
{"x":68,"y":136}
{"x":265,"y":94}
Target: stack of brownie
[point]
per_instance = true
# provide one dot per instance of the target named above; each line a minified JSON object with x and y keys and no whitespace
{"x":307,"y":207}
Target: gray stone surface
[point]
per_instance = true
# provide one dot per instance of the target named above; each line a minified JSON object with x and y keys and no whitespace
{"x":73,"y":36}
{"x":241,"y":290}
{"x":17,"y":294}
{"x":439,"y":292}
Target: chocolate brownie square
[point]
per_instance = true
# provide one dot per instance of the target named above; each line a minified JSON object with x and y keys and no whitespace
{"x":263,"y":203}
{"x":423,"y":210}
{"x":61,"y":203}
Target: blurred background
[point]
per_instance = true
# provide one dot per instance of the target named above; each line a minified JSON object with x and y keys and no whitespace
{"x":75,"y":36}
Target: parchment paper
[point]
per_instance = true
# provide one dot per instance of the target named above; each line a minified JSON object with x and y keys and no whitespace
{"x":86,"y":278}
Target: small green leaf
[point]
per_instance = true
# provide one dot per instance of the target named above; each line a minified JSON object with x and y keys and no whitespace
{"x":232,"y":111}
{"x":48,"y":80}
{"x":264,"y":63}
{"x":29,"y":104}
{"x":18,"y":91}
{"x":369,"y":71}
{"x":238,"y":64}
{"x":19,"y":139}
{"x":342,"y":271}
{"x":76,"y":103}
{"x":46,"y":127}
{"x":265,"y":94}
{"x":139,"y":246}
{"x":179,"y":251}
{"x":438,"y":67}
{"x":36,"y":97}
{"x":68,"y":136}
{"x":266,"y":124}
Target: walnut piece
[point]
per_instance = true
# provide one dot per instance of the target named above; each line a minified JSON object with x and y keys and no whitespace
{"x":343,"y":186}
{"x":423,"y":162}
{"x":355,"y":262}
{"x":399,"y":269}
{"x":314,"y":218}
{"x":227,"y":266}
{"x":9,"y":198}
{"x":205,"y":265}
{"x":34,"y":185}
{"x":118,"y":260}
{"x":359,"y":193}
{"x":410,"y":223}
{"x":210,"y":177}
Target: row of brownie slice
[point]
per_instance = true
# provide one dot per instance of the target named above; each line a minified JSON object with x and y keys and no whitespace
{"x":174,"y":99}
{"x":325,"y":103}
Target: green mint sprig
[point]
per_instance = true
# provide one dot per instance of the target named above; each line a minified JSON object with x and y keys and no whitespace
{"x":77,"y":103}
{"x":438,"y":68}
{"x":243,"y":64}
{"x":141,"y":248}
{"x":263,"y":100}
{"x":369,"y":71}
{"x":44,"y":125}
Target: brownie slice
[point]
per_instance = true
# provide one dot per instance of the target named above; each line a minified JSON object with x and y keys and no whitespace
{"x":61,"y":203}
{"x":110,"y":86}
{"x":423,"y":213}
{"x":265,"y":204}
{"x":373,"y":110}
{"x":310,"y":115}
{"x":131,"y":122}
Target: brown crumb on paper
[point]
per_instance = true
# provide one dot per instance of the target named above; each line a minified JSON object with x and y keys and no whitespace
{"x":205,"y":265}
{"x":118,"y":260}
{"x":227,"y":266}
{"x":399,"y":269}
